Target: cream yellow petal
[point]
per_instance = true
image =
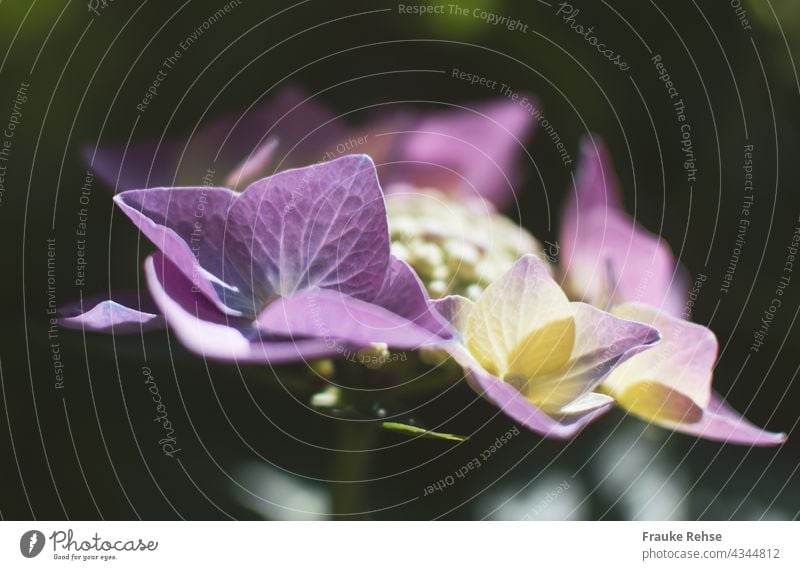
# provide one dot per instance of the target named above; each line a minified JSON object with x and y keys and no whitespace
{"x":512,"y":309}
{"x":536,"y":365}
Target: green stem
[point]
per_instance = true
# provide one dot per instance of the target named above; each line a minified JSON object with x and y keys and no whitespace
{"x":351,"y":467}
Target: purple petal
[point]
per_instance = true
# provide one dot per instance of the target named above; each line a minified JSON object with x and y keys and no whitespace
{"x":115,"y":316}
{"x":720,"y":422}
{"x":473,"y":151}
{"x":203,"y":329}
{"x":189,"y":225}
{"x":521,"y":410}
{"x":320,"y":226}
{"x":609,"y":258}
{"x":305,"y":130}
{"x":332,"y":316}
{"x":403,"y":294}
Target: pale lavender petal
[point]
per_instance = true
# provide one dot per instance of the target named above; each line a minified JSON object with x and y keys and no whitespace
{"x":332,"y":316}
{"x":320,"y":226}
{"x":474,"y":151}
{"x":603,"y":341}
{"x":720,"y":422}
{"x":455,"y":309}
{"x":608,"y":258}
{"x":305,"y":130}
{"x":682,"y":363}
{"x":203,"y":329}
{"x":670,"y":385}
{"x":253,"y":167}
{"x":117,"y":315}
{"x":512,"y":403}
{"x":403,"y":294}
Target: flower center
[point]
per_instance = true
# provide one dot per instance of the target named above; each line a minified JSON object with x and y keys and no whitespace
{"x":456,"y":247}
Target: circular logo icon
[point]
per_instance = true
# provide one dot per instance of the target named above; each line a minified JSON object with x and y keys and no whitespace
{"x":31,"y":543}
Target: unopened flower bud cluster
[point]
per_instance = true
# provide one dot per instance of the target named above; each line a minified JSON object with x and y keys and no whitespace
{"x":456,"y":247}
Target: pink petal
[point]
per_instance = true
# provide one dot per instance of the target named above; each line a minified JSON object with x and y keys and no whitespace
{"x":608,"y":258}
{"x":403,"y":294}
{"x":115,"y":316}
{"x":204,"y":330}
{"x":720,"y":422}
{"x":332,"y":316}
{"x":521,"y":410}
{"x":473,"y":151}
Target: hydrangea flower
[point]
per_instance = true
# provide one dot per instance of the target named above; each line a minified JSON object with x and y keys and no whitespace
{"x":539,"y":357}
{"x":446,"y":174}
{"x":611,"y":261}
{"x":297,"y":266}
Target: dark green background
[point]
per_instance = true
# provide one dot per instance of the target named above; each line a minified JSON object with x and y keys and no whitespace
{"x":89,"y":74}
